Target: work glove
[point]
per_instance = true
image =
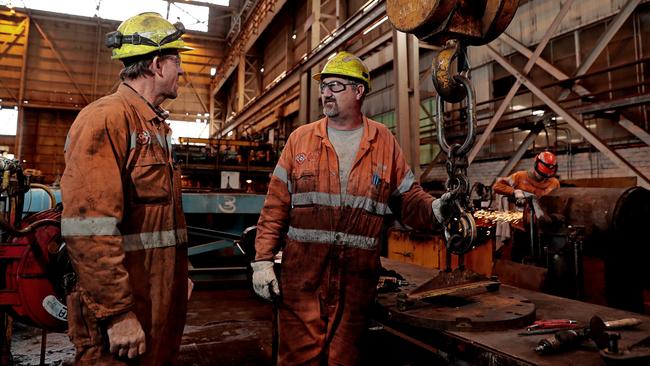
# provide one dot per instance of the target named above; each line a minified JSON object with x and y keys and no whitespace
{"x":125,"y":335}
{"x":442,"y":207}
{"x":265,"y":283}
{"x":519,"y":194}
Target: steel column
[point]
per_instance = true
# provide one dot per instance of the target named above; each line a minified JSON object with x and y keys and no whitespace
{"x":568,"y":117}
{"x":513,"y":90}
{"x":21,"y":94}
{"x":241,"y":82}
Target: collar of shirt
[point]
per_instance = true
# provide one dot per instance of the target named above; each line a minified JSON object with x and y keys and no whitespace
{"x":141,"y":105}
{"x":369,"y":132}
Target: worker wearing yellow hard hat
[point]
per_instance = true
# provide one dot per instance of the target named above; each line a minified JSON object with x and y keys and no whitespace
{"x":123,"y":223}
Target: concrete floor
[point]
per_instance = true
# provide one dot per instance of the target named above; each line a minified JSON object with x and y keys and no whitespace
{"x":227,"y":326}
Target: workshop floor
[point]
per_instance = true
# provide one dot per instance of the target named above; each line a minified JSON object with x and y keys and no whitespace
{"x":226,"y":327}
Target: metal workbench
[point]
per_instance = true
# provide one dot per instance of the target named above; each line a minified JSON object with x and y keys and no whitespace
{"x":504,"y":347}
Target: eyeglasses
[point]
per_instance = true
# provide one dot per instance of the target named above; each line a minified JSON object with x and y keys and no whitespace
{"x":334,"y":86}
{"x":177,"y":59}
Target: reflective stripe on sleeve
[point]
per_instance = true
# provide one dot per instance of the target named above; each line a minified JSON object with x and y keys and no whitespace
{"x":87,"y":226}
{"x":332,"y":237}
{"x":406,"y":184}
{"x":154,"y":239}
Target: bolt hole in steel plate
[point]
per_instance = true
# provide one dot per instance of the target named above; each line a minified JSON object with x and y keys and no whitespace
{"x":481,"y":312}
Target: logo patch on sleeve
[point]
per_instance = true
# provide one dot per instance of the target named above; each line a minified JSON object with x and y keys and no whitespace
{"x":143,"y":138}
{"x":301,"y":158}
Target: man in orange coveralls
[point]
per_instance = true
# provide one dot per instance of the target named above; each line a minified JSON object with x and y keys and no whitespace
{"x":327,"y":199}
{"x":539,"y":180}
{"x":122,"y":217}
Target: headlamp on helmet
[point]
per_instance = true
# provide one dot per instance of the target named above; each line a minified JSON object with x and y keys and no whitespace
{"x":116,"y":39}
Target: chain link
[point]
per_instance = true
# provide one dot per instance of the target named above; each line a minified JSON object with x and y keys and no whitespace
{"x":460,"y":228}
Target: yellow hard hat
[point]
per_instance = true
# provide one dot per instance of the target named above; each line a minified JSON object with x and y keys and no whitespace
{"x":347,"y":65}
{"x":145,"y":33}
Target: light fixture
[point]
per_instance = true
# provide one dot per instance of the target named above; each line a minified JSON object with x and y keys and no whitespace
{"x":213,"y":71}
{"x":293,"y":36}
{"x":249,"y":181}
{"x":262,"y":69}
{"x":229,"y":134}
{"x":375,"y":25}
{"x":538,"y":112}
{"x":206,"y":114}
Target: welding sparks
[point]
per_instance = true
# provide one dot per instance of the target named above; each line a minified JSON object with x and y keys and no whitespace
{"x":511,"y":217}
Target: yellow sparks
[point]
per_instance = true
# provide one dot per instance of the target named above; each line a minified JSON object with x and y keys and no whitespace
{"x":512,"y":217}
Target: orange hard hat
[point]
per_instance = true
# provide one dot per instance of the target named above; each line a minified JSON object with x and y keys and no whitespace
{"x":546,"y":164}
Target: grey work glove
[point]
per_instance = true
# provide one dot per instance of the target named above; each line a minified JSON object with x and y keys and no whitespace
{"x":264,"y":280}
{"x":519,"y":194}
{"x":442,"y":207}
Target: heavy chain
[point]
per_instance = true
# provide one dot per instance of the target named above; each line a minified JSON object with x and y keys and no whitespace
{"x":460,"y":228}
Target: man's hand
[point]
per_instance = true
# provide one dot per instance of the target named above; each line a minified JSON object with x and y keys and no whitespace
{"x":442,"y":207}
{"x":125,"y":335}
{"x":264,"y":280}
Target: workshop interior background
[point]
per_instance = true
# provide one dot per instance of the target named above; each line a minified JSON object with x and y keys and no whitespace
{"x":247,"y":86}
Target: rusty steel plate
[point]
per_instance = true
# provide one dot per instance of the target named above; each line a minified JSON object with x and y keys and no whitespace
{"x":499,"y":310}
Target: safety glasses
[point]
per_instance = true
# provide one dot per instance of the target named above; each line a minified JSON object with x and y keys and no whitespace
{"x":334,"y":86}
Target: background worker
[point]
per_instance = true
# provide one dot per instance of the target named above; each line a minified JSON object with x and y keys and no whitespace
{"x":122,"y":217}
{"x":327,"y":201}
{"x":539,"y":180}
{"x":530,"y":184}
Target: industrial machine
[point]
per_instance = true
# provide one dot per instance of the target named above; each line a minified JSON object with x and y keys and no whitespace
{"x":595,"y":244}
{"x":34,"y":267}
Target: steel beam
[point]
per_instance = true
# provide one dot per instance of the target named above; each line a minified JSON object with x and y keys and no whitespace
{"x":637,"y":131}
{"x":521,"y":150}
{"x":568,"y":117}
{"x":513,"y":90}
{"x":247,"y":38}
{"x":349,"y":29}
{"x":543,"y":64}
{"x":63,"y":64}
{"x":612,"y":29}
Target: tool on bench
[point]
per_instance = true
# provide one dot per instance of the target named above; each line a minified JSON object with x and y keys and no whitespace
{"x":567,"y":339}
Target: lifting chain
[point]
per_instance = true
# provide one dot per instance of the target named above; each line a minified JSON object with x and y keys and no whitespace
{"x":454,"y":24}
{"x":460,"y":228}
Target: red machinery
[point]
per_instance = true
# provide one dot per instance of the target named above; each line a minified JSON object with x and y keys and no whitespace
{"x":34,"y":269}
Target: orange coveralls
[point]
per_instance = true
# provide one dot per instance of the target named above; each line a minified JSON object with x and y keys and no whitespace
{"x":124,"y":227}
{"x":330,"y":262}
{"x":522,"y":180}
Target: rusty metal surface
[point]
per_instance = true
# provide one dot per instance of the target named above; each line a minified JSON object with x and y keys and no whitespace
{"x":451,"y":282}
{"x":505,"y":347}
{"x":503,"y":309}
{"x":476,"y":22}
